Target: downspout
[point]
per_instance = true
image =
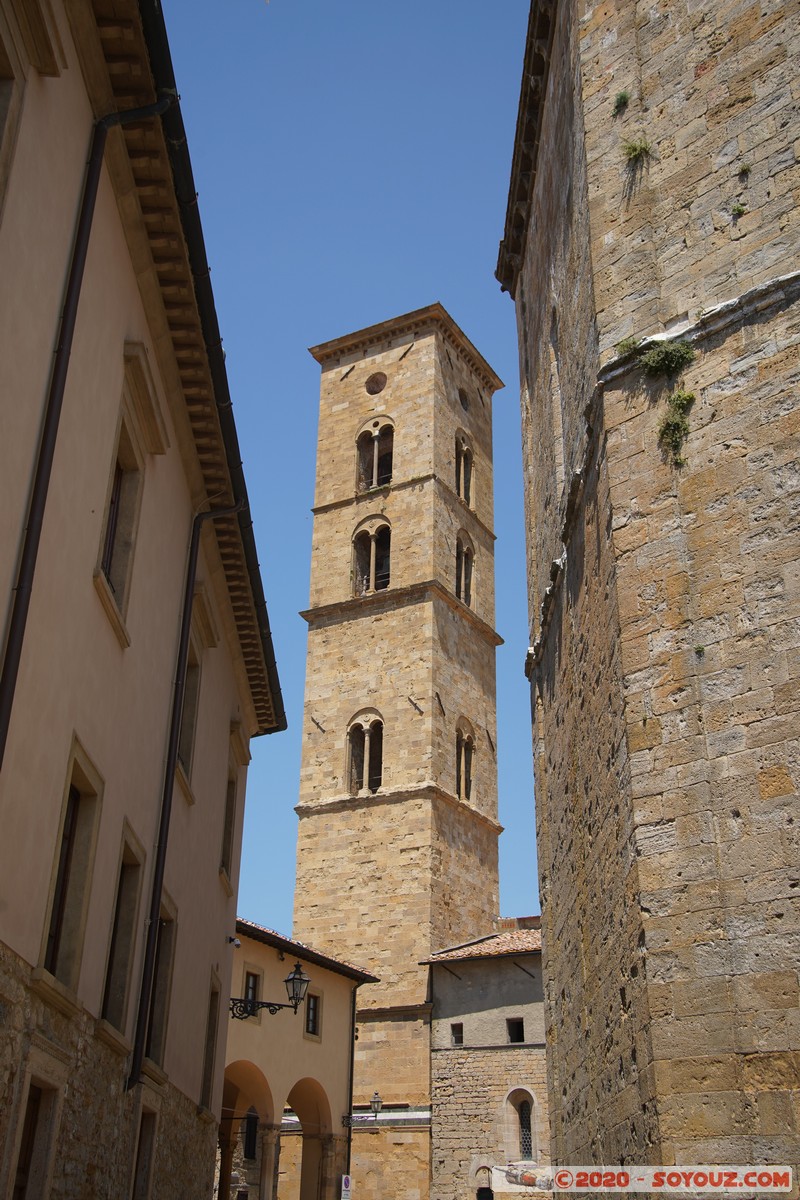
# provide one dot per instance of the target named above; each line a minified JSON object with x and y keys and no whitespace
{"x":148,"y":967}
{"x":52,"y":412}
{"x":352,"y":1073}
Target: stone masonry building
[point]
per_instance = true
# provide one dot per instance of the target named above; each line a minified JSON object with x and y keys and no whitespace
{"x":488,"y":1069}
{"x":397,"y":844}
{"x":654,"y":198}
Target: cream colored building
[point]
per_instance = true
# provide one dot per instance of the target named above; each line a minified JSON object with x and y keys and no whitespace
{"x":397,"y":843}
{"x":654,"y":198}
{"x":109,"y":1087}
{"x":286,"y":1132}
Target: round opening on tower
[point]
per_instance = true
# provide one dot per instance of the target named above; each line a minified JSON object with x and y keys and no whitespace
{"x":376,"y":383}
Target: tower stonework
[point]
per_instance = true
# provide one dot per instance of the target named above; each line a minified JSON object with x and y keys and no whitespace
{"x":398,"y":831}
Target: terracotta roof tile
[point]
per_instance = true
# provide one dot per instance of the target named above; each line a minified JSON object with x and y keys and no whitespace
{"x":494,"y":945}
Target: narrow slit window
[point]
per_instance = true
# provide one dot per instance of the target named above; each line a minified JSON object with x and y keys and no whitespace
{"x":228,"y":828}
{"x":64,"y":943}
{"x":375,"y":756}
{"x":356,"y":759}
{"x":119,"y":534}
{"x":162,"y":984}
{"x":210,"y":1049}
{"x":191,"y":698}
{"x":123,"y":933}
{"x":465,"y":748}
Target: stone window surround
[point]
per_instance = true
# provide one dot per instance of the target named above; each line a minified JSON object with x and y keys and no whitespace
{"x":141,"y":430}
{"x":83,"y":775}
{"x":366,"y":577}
{"x":374,"y":445}
{"x":48,"y":1068}
{"x":366,"y":720}
{"x":131,"y":853}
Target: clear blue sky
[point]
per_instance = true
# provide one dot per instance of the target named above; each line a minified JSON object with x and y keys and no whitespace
{"x":352,"y":162}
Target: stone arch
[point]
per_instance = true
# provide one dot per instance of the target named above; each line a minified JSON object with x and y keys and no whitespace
{"x":465,"y":466}
{"x":519,"y":1121}
{"x":364,"y":765}
{"x":374,"y":453}
{"x":372,"y":539}
{"x":465,"y":567}
{"x":245,"y":1091}
{"x":465,"y":759}
{"x":309,"y":1102}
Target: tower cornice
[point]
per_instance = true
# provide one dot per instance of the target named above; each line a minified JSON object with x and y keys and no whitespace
{"x":420,"y":321}
{"x":356,"y":607}
{"x":423,"y":791}
{"x":365,"y":499}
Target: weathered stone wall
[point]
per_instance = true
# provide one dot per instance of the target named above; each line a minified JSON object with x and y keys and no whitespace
{"x":67,"y":1054}
{"x":472,"y":1122}
{"x":708,"y":567}
{"x":713,"y":91}
{"x":665,"y":642}
{"x":391,"y":1161}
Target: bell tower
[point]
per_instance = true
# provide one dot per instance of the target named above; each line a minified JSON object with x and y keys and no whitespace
{"x":397,"y":843}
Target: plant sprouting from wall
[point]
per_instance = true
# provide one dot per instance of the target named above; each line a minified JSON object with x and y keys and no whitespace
{"x":738,"y":209}
{"x":628,"y":345}
{"x":667,"y":358}
{"x":674,"y":429}
{"x":621,"y":101}
{"x":637,"y":151}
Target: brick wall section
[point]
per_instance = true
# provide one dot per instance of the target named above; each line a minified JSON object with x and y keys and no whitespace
{"x":469,"y":1088}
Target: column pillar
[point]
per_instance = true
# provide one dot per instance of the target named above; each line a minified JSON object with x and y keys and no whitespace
{"x":268,"y":1146}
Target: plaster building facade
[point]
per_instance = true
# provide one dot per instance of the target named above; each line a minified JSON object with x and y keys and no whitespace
{"x":397,"y":843}
{"x":122,"y":790}
{"x":288,"y":1076}
{"x":488,"y":1068}
{"x":654,"y":198}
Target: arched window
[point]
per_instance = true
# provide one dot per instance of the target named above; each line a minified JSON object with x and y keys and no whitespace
{"x":519,"y":1125}
{"x":465,"y":760}
{"x":464,"y":559}
{"x":365,"y":753}
{"x":371,"y":557}
{"x":375,"y":446}
{"x":463,"y":468}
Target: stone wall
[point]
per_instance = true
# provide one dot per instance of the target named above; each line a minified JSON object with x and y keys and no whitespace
{"x":85,"y":1068}
{"x":472,"y":1123}
{"x":664,"y":589}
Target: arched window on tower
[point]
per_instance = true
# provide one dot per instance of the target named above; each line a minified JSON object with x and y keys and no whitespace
{"x":464,"y":559}
{"x":375,"y":445}
{"x":371,"y":557}
{"x":365,"y":753}
{"x":464,"y":463}
{"x":465,"y":760}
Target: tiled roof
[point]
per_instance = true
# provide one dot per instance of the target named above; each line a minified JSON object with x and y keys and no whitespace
{"x":494,"y":945}
{"x":270,"y":937}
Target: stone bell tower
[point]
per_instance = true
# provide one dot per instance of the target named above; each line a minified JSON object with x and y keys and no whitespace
{"x":397,"y":843}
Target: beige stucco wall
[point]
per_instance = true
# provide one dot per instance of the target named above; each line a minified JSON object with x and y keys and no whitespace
{"x":78,"y":683}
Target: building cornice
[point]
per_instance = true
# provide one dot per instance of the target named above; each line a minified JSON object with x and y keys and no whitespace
{"x":524,"y":163}
{"x":356,"y":607}
{"x":433,"y":318}
{"x":126,"y":64}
